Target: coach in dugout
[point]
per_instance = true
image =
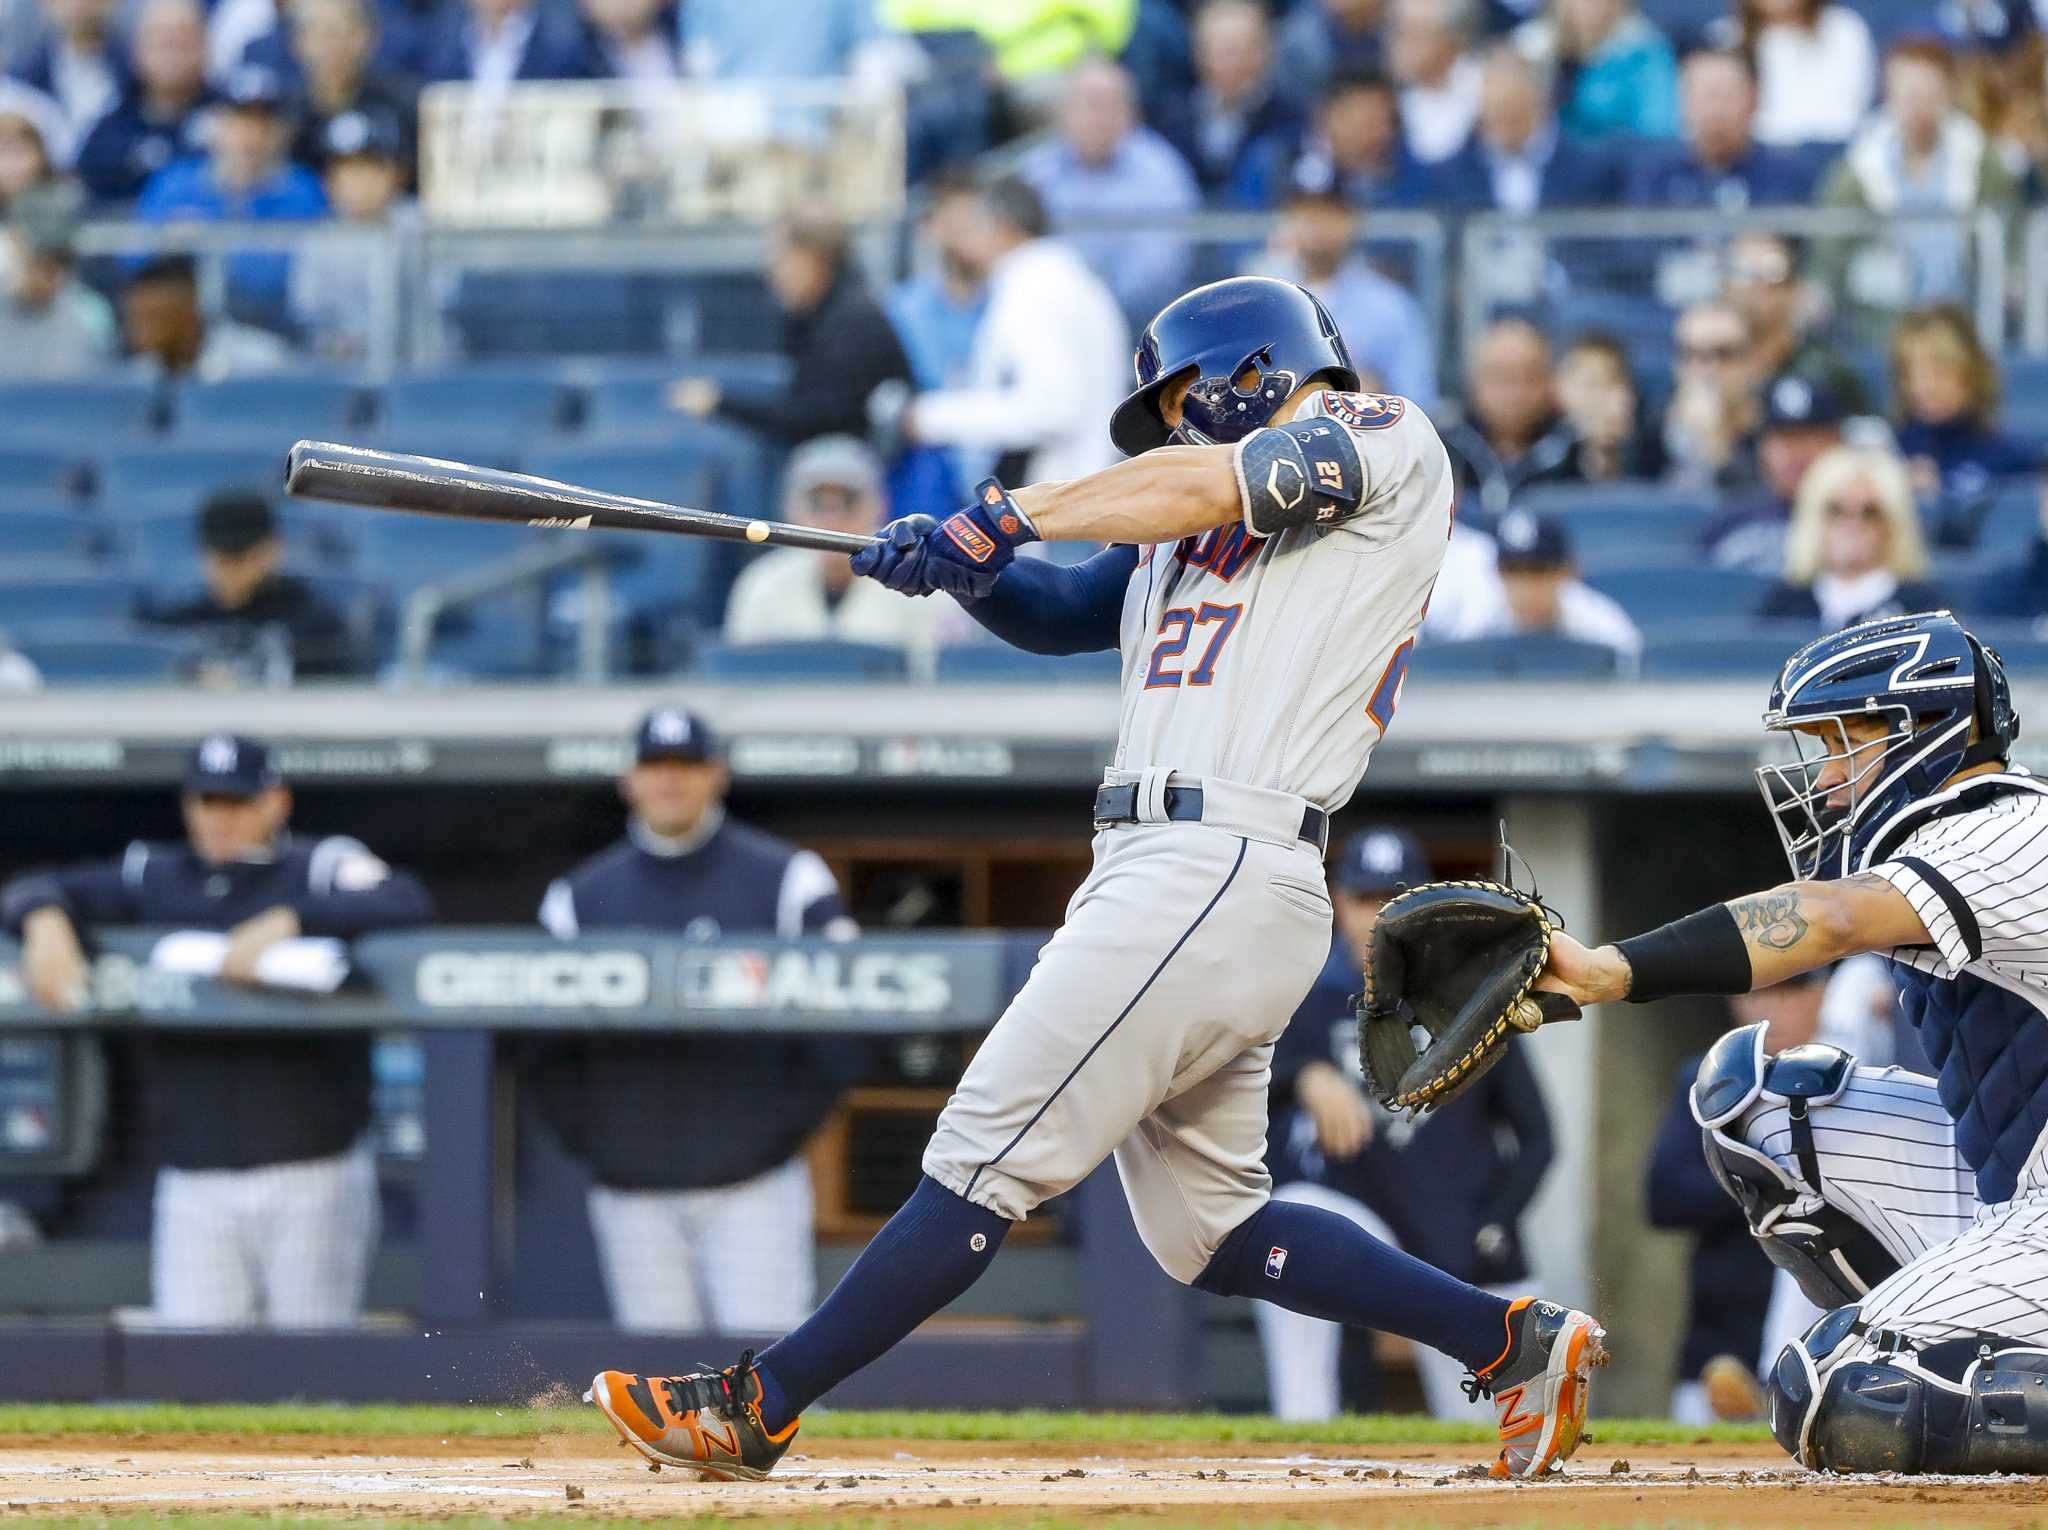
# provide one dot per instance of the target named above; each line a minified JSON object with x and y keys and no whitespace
{"x":266,"y":1191}
{"x":1450,"y":1189}
{"x":700,"y":1197}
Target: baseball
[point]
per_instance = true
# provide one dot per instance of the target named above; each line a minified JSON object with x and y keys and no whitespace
{"x":757,"y":531}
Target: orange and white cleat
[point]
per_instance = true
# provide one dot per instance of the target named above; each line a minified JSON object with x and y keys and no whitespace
{"x":1539,"y":1385}
{"x":707,"y":1421}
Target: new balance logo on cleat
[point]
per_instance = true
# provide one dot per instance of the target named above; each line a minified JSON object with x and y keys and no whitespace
{"x":1540,"y":1385}
{"x":708,"y":1420}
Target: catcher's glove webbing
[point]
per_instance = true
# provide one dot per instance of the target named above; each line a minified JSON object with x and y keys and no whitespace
{"x":1457,"y":961}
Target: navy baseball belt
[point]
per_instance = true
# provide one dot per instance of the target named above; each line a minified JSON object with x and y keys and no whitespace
{"x":1119,"y":804}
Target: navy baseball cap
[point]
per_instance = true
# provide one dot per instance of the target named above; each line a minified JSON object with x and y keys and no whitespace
{"x":1528,"y":540}
{"x":370,"y":134}
{"x":675,"y":733}
{"x":1377,"y":861}
{"x":1793,"y":403}
{"x":254,"y":86}
{"x":228,"y":765}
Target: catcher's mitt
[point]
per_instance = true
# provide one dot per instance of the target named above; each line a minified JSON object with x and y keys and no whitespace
{"x":1455,"y":960}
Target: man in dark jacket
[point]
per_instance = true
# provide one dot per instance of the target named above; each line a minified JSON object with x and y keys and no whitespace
{"x":1516,"y":160}
{"x":1719,"y":163}
{"x":266,"y":1192}
{"x":489,"y":42}
{"x":1444,"y":1189}
{"x":158,"y":118}
{"x":1235,"y":116}
{"x":1514,"y":433}
{"x":254,"y":622}
{"x":702,"y":1215}
{"x":839,"y":341}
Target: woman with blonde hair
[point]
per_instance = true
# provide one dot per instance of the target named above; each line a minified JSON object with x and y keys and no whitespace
{"x":1947,"y":386}
{"x":1854,"y":550}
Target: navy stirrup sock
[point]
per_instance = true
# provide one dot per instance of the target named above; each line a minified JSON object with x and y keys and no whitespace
{"x":1313,"y":1261}
{"x":934,"y":1248}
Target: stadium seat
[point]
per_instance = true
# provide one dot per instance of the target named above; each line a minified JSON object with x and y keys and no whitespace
{"x":633,"y":400}
{"x":809,"y":659}
{"x":481,"y":400}
{"x":407,"y":551}
{"x":71,"y":412}
{"x":43,"y":472}
{"x":44,"y":533}
{"x":984,"y":662}
{"x":286,"y":407}
{"x":70,"y":652}
{"x":69,"y":592}
{"x":163,"y":549}
{"x":669,"y":571}
{"x":1756,"y":653}
{"x":1682,"y":592}
{"x":151,"y":481}
{"x":1549,"y":658}
{"x":1609,"y":530}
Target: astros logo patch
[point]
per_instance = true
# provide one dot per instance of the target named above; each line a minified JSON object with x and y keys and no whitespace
{"x":1365,"y":411}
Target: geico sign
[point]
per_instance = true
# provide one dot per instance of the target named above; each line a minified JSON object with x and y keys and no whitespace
{"x":848,"y":981}
{"x":533,"y":979}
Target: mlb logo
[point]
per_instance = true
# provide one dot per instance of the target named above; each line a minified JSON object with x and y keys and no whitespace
{"x":1276,"y":1261}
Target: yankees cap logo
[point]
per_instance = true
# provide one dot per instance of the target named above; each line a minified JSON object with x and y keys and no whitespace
{"x":668,"y":726}
{"x":219,"y":755}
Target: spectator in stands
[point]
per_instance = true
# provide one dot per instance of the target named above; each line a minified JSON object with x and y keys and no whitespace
{"x":32,"y":133}
{"x":833,"y":482}
{"x":18,"y":672}
{"x":1107,"y":166}
{"x":1544,"y":594}
{"x":266,"y":1188}
{"x":170,"y":335}
{"x":808,"y":40}
{"x":245,"y":176}
{"x":633,"y":40}
{"x":1729,"y":1278}
{"x":1786,"y":316}
{"x":1315,"y":244}
{"x":495,"y":43}
{"x":937,"y":309}
{"x":1621,"y":77}
{"x":254,"y":623}
{"x":161,"y":116}
{"x":1816,"y":67}
{"x":1802,"y":422}
{"x":840,"y":344}
{"x":713,"y":1232}
{"x":2019,"y":590}
{"x":1356,"y":150}
{"x":1920,"y":155}
{"x":367,"y":164}
{"x":1451,"y":1189}
{"x":1710,"y":425}
{"x":1513,"y":434}
{"x":1429,"y":53}
{"x":334,"y":46}
{"x":1947,"y":388}
{"x":51,"y":323}
{"x":1719,"y":163}
{"x":1235,"y":118}
{"x":1516,"y":159}
{"x":1597,"y":390}
{"x":1321,"y":39}
{"x":1854,"y":551}
{"x":82,"y":64}
{"x":1051,"y":360}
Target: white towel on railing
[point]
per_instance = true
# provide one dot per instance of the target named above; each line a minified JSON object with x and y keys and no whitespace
{"x":310,"y":964}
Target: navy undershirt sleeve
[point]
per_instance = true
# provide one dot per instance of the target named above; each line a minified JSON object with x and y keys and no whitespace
{"x":1045,"y":607}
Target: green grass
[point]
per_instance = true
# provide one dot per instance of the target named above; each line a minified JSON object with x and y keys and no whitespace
{"x":428,"y":1422}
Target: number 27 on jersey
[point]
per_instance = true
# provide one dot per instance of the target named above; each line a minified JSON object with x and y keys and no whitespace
{"x":1207,"y":627}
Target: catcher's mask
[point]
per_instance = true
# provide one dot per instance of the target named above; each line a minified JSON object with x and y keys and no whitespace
{"x":1925,"y":684}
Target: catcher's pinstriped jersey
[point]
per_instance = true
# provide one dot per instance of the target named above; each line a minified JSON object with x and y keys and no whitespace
{"x":1278,"y":662}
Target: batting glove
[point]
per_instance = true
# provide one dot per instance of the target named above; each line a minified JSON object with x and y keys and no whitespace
{"x":897,"y":558}
{"x":972,"y":547}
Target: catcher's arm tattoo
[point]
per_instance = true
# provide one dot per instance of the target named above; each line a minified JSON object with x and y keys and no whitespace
{"x":1798,"y":926}
{"x":1771,"y":918}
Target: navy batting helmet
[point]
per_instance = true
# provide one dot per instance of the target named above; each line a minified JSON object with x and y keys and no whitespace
{"x":1248,"y":342}
{"x":1943,"y":699}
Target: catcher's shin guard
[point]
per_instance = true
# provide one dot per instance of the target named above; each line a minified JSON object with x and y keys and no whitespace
{"x":1964,"y":1406}
{"x":1833,"y":1257}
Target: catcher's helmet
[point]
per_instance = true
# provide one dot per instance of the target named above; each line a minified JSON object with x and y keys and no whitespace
{"x":1273,"y":330}
{"x":1928,"y":681}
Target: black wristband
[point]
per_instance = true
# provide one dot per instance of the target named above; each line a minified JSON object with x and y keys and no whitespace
{"x":1701,"y":953}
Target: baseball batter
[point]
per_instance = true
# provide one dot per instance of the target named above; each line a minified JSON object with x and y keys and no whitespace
{"x":1276,"y":535}
{"x":1914,"y":1208}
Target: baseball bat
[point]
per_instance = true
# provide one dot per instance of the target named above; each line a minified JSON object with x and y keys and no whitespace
{"x":356,"y":475}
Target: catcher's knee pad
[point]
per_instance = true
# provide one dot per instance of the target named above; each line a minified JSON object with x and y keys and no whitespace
{"x":1833,"y":1257}
{"x":1965,"y":1406}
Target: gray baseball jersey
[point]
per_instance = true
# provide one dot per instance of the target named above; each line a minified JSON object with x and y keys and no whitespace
{"x":1278,"y":662}
{"x":1266,"y":670}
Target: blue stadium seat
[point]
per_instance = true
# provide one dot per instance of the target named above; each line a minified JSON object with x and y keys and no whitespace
{"x":163,"y":549}
{"x":68,"y":413}
{"x":633,"y":399}
{"x":67,"y":592}
{"x":1549,"y":658}
{"x":484,"y":399}
{"x":802,"y":660}
{"x":70,"y":653}
{"x":407,"y":551}
{"x":2025,"y":374}
{"x":502,"y":638}
{"x":42,"y":533}
{"x":1622,"y":525}
{"x":985,"y":662}
{"x":1682,"y":592}
{"x":157,"y":479}
{"x":2022,"y":646}
{"x":1755,"y":653}
{"x":2013,"y":522}
{"x":286,"y":407}
{"x":43,"y":471}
